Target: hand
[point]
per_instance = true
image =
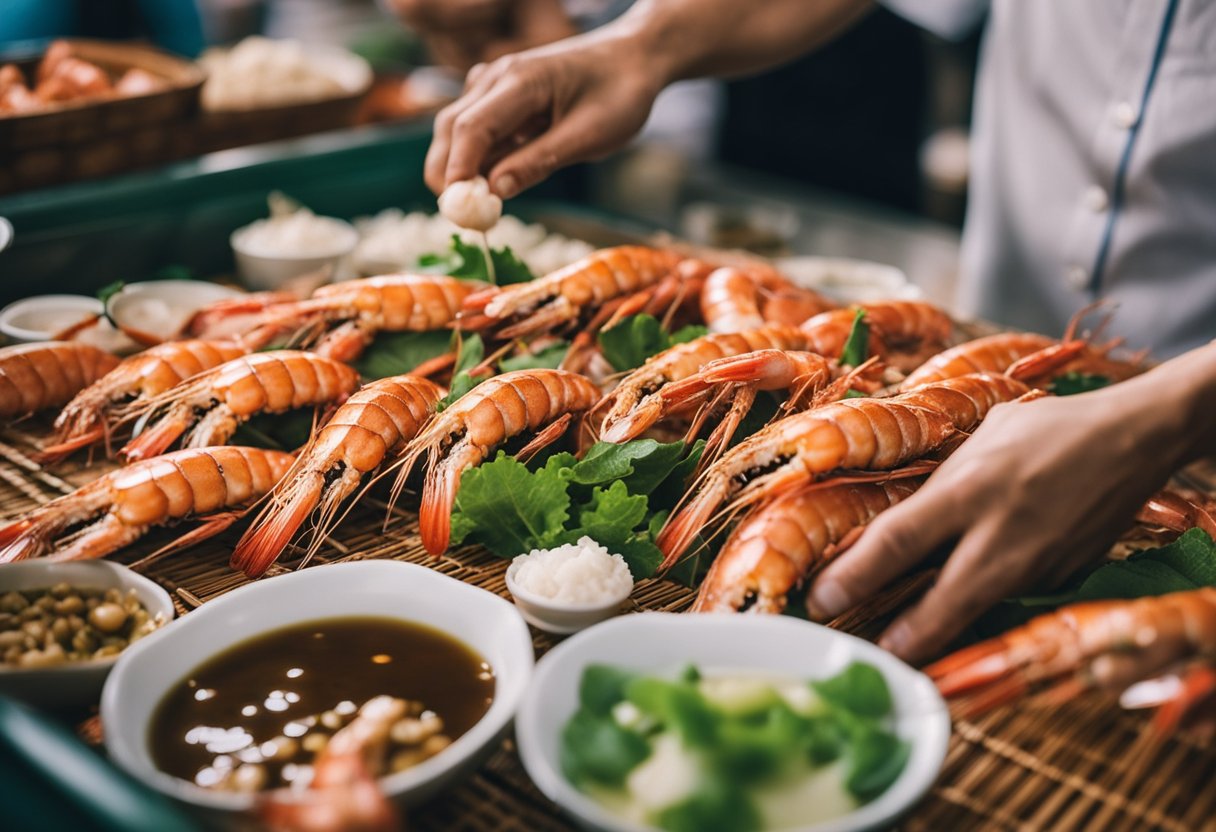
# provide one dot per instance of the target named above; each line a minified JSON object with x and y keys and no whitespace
{"x":1041,"y":490}
{"x":463,"y":33}
{"x":523,"y":116}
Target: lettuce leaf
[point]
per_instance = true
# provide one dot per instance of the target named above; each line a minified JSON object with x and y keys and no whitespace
{"x":467,"y":261}
{"x":628,"y":344}
{"x":393,"y":353}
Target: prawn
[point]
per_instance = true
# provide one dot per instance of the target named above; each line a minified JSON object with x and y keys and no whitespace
{"x":903,"y":333}
{"x":209,"y":407}
{"x":34,"y":377}
{"x":122,"y":506}
{"x":369,"y":428}
{"x":735,"y":299}
{"x":464,"y":434}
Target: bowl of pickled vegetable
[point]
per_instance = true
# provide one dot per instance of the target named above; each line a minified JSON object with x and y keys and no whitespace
{"x":64,"y":625}
{"x":708,"y":722}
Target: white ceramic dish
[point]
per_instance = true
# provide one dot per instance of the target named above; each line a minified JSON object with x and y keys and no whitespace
{"x":42,"y":317}
{"x":77,"y":683}
{"x":557,"y":617}
{"x":665,"y":642}
{"x":261,"y":271}
{"x":391,"y":589}
{"x":161,"y":308}
{"x":847,"y":280}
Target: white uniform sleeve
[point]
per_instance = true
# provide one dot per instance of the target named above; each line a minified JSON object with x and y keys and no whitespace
{"x":951,"y":19}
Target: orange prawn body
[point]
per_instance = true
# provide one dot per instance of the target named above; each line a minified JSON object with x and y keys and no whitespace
{"x":639,"y":401}
{"x":358,"y":309}
{"x":122,"y":505}
{"x":735,"y":299}
{"x":90,"y":415}
{"x":363,"y":433}
{"x":462,"y":436}
{"x":866,"y":434}
{"x":564,"y":296}
{"x":902,"y":332}
{"x":1152,"y":633}
{"x":34,"y":377}
{"x":209,"y":407}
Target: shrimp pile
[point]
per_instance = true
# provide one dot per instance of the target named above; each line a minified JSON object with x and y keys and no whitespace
{"x":855,"y":432}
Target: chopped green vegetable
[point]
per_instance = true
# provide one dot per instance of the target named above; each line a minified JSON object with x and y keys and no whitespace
{"x":597,"y":749}
{"x":628,"y":344}
{"x":860,"y":689}
{"x":467,"y":261}
{"x":110,"y":290}
{"x":716,"y":807}
{"x":1070,"y":384}
{"x":602,"y":687}
{"x":394,"y":353}
{"x":677,"y":704}
{"x":550,"y":358}
{"x":857,"y":347}
{"x":876,"y":759}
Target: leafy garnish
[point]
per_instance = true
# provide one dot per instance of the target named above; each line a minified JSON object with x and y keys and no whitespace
{"x":877,"y":758}
{"x":110,"y":290}
{"x":393,"y":353}
{"x":859,"y":688}
{"x":548,"y":358}
{"x":597,"y":749}
{"x":608,"y":496}
{"x":472,"y":351}
{"x":467,"y":261}
{"x":857,"y":347}
{"x":628,"y":344}
{"x":1072,"y":383}
{"x":1187,"y":563}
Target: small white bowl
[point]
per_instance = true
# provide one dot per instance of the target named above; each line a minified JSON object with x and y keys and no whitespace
{"x":262,"y":271}
{"x":160,"y":309}
{"x":42,"y":317}
{"x":389,"y":589}
{"x":556,"y":616}
{"x":76,"y":683}
{"x":665,"y":642}
{"x":847,"y":280}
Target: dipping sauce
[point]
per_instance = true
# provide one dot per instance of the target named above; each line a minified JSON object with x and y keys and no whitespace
{"x":256,"y":705}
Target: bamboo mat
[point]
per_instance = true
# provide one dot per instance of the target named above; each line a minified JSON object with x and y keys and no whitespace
{"x":1081,"y":765}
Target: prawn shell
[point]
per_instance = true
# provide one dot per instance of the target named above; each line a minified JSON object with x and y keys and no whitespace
{"x":34,"y":377}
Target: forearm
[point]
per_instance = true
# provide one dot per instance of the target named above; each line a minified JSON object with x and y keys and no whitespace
{"x":693,"y":38}
{"x":1176,"y":402}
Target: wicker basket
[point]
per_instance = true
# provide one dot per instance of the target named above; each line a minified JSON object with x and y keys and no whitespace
{"x":78,"y":140}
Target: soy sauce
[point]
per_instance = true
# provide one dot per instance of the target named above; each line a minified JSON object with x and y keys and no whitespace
{"x":249,"y":694}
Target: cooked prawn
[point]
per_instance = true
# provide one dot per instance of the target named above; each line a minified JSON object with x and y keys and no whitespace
{"x":368,"y":429}
{"x":34,"y":377}
{"x":735,"y":299}
{"x":638,"y":402}
{"x":1112,"y":642}
{"x":211,"y":405}
{"x":777,"y":547}
{"x":462,"y":436}
{"x":121,"y":506}
{"x":868,"y":434}
{"x":94,"y":411}
{"x":903,"y":333}
{"x":565,"y":296}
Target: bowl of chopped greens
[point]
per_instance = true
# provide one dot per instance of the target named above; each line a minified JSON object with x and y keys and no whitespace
{"x":729,"y":722}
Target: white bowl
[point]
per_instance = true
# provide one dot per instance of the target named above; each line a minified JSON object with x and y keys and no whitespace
{"x":262,"y":271}
{"x":560,"y":617}
{"x":847,"y":280}
{"x":160,"y":309}
{"x":388,"y":589}
{"x":42,"y":317}
{"x":76,"y":683}
{"x":666,"y":642}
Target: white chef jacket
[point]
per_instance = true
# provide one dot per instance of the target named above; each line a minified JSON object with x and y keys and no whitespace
{"x":1093,"y":169}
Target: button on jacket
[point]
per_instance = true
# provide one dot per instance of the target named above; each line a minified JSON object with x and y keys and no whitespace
{"x":1093,"y":164}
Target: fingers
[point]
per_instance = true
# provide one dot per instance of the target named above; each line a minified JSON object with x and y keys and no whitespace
{"x":583,"y":134}
{"x":894,"y":543}
{"x":496,"y":104}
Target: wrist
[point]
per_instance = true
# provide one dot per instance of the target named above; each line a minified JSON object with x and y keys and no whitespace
{"x":660,"y":40}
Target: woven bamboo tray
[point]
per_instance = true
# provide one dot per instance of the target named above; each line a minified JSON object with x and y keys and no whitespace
{"x":1081,"y":765}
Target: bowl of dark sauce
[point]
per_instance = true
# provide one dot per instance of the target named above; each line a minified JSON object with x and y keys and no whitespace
{"x":241,"y":696}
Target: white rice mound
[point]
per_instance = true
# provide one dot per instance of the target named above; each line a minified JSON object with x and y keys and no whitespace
{"x":576,"y":573}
